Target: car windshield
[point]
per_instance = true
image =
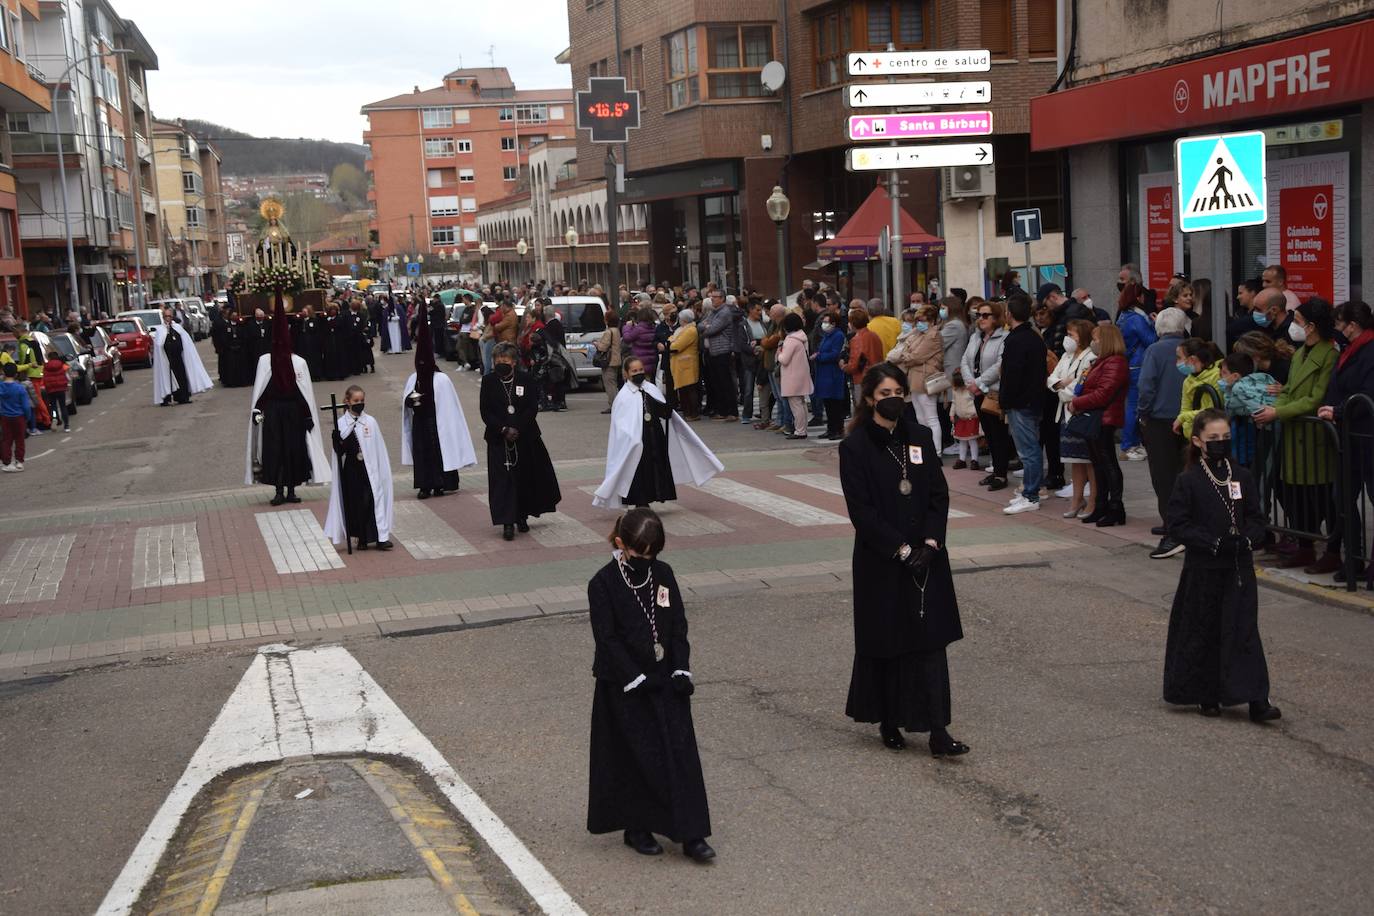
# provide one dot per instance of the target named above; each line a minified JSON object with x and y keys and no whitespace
{"x":63,"y":344}
{"x":151,"y":319}
{"x":122,"y":327}
{"x":582,"y":317}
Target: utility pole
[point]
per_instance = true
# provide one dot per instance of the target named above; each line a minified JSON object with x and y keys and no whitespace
{"x":894,"y":192}
{"x":612,"y":228}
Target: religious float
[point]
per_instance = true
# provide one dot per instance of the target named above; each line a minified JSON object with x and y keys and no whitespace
{"x":276,"y":263}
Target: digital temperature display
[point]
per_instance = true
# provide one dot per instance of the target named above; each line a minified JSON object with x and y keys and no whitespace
{"x":608,"y":110}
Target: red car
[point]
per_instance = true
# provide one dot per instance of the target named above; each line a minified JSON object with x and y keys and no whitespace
{"x":133,"y":340}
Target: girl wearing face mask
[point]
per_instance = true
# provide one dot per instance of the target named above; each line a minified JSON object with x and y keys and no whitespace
{"x":905,"y":611}
{"x":520,"y":476}
{"x":1214,"y":656}
{"x":1197,"y":360}
{"x":645,"y":773}
{"x":830,"y":377}
{"x":360,"y":493}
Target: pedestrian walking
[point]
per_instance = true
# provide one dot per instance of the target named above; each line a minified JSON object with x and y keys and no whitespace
{"x":360,"y":491}
{"x":16,"y":414}
{"x":178,"y":372}
{"x":434,"y":433}
{"x":905,"y":610}
{"x":55,"y":386}
{"x":521,"y":482}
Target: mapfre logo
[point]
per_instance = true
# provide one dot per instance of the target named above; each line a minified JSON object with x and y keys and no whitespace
{"x":1183,"y":96}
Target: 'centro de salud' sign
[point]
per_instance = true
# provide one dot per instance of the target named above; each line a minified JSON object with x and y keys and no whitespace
{"x":1325,"y":68}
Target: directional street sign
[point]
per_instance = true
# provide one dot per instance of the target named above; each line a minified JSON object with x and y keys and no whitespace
{"x":930,"y":156}
{"x":920,"y":126}
{"x":911,"y":63}
{"x":1221,"y":181}
{"x":413,"y":269}
{"x":899,"y":95}
{"x":1025,"y":226}
{"x":353,"y":269}
{"x":608,"y":109}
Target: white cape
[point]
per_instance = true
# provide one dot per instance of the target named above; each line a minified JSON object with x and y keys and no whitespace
{"x":164,"y":382}
{"x":691,"y":461}
{"x":378,"y":464}
{"x":455,"y":442}
{"x":319,"y":465}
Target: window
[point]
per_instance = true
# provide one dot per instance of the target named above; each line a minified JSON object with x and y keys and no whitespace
{"x":510,"y":173}
{"x":680,"y":50}
{"x":436,"y":117}
{"x":536,"y":139}
{"x":735,"y":57}
{"x":443,"y":206}
{"x":445,"y":235}
{"x":865,"y":26}
{"x":5,"y":32}
{"x":831,"y":37}
{"x":506,"y":114}
{"x":469,"y":233}
{"x":194,"y":217}
{"x":464,"y":146}
{"x":7,"y":234}
{"x":507,"y":144}
{"x":336,"y":259}
{"x":434,"y":178}
{"x":632,"y":67}
{"x":996,"y":21}
{"x":461,"y":116}
{"x":111,"y":81}
{"x":532,"y":114}
{"x":125,"y":204}
{"x":469,"y":204}
{"x":191,"y":183}
{"x":466,"y":175}
{"x":439,"y":149}
{"x":556,"y":111}
{"x":1026,"y":179}
{"x":1041,"y":37}
{"x":901,"y":22}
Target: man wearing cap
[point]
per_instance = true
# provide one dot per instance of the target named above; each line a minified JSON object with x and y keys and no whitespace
{"x":1062,"y":311}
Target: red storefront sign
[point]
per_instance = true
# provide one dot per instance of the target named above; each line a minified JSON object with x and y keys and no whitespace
{"x":1306,"y":242}
{"x":1159,"y":237}
{"x":1330,"y":67}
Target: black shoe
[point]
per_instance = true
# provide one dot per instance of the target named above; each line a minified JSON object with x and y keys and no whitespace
{"x":997,"y":484}
{"x":385,"y":545}
{"x":523,"y":526}
{"x":1210,"y":710}
{"x":698,"y":851}
{"x":293,"y":498}
{"x":892,"y":737}
{"x":606,"y":411}
{"x":423,"y":494}
{"x":362,"y":545}
{"x":508,"y":532}
{"x":987,"y":481}
{"x":437,"y":493}
{"x":1167,"y":548}
{"x":642,"y":842}
{"x":1159,"y":531}
{"x":277,"y":500}
{"x":1095,"y":516}
{"x":1055,"y":483}
{"x":942,"y":744}
{"x":1263,"y":712}
{"x":1113,"y":516}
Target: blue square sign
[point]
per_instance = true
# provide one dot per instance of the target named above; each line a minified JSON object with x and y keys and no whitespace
{"x":1221,"y":181}
{"x":413,"y":269}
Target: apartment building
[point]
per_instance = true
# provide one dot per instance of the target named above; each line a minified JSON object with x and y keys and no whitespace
{"x":188,"y":182}
{"x":22,"y":94}
{"x":436,"y":156}
{"x":714,"y":140}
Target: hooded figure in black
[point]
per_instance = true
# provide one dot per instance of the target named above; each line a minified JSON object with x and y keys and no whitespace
{"x":336,"y":349}
{"x":285,"y":419}
{"x":645,"y":772}
{"x":240,"y":359}
{"x":220,"y":332}
{"x":425,"y":450}
{"x":905,"y":611}
{"x":310,"y":342}
{"x":520,"y":476}
{"x":363,"y":360}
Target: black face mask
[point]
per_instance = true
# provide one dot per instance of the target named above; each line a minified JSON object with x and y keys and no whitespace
{"x":357,"y":408}
{"x":638,"y":566}
{"x":505,"y":370}
{"x":1120,"y":286}
{"x":637,"y":378}
{"x":1218,"y":449}
{"x":890,"y":408}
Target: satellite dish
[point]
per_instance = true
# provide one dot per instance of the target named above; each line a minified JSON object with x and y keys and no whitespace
{"x":774,"y":75}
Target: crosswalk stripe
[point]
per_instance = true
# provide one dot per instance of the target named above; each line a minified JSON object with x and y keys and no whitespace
{"x":32,"y":568}
{"x":555,"y":529}
{"x":425,"y":535}
{"x":783,"y":508}
{"x":831,"y":484}
{"x":296,"y":542}
{"x":678,"y":521}
{"x":167,"y":555}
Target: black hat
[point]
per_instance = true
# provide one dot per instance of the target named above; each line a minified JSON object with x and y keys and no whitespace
{"x":1044,"y":291}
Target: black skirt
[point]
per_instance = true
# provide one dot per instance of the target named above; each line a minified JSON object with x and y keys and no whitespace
{"x":910,"y":691}
{"x":285,"y":458}
{"x":1214,"y":654}
{"x":645,"y":772}
{"x":428,"y":454}
{"x":653,"y":480}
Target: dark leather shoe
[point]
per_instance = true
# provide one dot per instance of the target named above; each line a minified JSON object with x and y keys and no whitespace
{"x":1328,"y":563}
{"x":997,"y":484}
{"x":698,"y":851}
{"x":987,"y":481}
{"x":385,"y":545}
{"x":1095,"y":516}
{"x":892,"y":737}
{"x":277,"y":500}
{"x":643,"y":842}
{"x":1210,"y":710}
{"x":423,"y":494}
{"x":523,"y":527}
{"x":508,"y":532}
{"x":1263,"y":712}
{"x":944,"y":745}
{"x":293,"y":499}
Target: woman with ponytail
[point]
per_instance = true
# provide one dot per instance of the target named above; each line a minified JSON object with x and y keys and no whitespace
{"x":1197,"y":360}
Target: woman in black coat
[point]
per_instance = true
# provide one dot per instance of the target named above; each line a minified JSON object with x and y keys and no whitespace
{"x":1354,"y":374}
{"x":1214,"y":656}
{"x":520,"y":478}
{"x":645,"y":773}
{"x":905,"y":611}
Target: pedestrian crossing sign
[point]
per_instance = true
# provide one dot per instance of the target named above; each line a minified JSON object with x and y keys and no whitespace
{"x":1221,"y":181}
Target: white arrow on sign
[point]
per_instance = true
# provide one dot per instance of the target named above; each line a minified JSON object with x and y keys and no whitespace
{"x":897,"y":95}
{"x":928,"y":156}
{"x":909,"y":63}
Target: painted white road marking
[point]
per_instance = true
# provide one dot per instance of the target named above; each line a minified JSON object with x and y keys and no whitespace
{"x":554,"y":529}
{"x":679,"y":521}
{"x":424,"y":534}
{"x":296,"y":542}
{"x":40,"y":454}
{"x":321,"y":702}
{"x":167,"y":555}
{"x":785,"y":509}
{"x":32,"y":568}
{"x":831,"y":484}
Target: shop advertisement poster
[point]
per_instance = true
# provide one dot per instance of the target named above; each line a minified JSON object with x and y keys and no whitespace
{"x":1307,"y":233}
{"x":1161,"y":242}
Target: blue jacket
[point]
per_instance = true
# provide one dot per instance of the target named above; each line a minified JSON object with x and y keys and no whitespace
{"x":1138,"y":333}
{"x":1161,"y":384}
{"x":829,"y":376}
{"x":1249,"y":395}
{"x":14,"y":401}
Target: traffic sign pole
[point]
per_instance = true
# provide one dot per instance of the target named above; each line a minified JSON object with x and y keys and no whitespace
{"x":894,"y":192}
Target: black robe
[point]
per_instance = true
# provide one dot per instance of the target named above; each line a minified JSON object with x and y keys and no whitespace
{"x":335,"y":350}
{"x":653,"y":480}
{"x":220,"y":332}
{"x":530,"y":487}
{"x":235,"y":367}
{"x":426,"y":450}
{"x":363,"y":360}
{"x":900,"y":675}
{"x":285,"y":421}
{"x":171,"y":351}
{"x":645,"y":771}
{"x":310,"y":345}
{"x":360,"y":516}
{"x":1214,"y":654}
{"x":259,"y":343}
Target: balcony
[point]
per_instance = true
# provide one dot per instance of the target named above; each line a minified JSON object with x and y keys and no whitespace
{"x":34,"y":227}
{"x":149,"y":204}
{"x":153,"y":257}
{"x":145,"y":149}
{"x":136,"y":95}
{"x":43,"y":144}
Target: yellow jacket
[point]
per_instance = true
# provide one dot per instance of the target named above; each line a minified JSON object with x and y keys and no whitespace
{"x":686,"y":359}
{"x":888,"y":330}
{"x":1186,"y":411}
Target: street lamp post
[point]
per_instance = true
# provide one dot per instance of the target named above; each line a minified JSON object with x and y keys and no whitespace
{"x":779,"y":207}
{"x":521,"y":249}
{"x":482,"y":250}
{"x":571,"y":238}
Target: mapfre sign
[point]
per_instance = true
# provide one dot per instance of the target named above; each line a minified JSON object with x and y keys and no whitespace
{"x":1330,"y":67}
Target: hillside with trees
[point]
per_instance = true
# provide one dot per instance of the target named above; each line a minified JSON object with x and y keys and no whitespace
{"x":244,"y":154}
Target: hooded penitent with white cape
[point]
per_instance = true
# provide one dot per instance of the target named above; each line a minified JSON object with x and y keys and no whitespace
{"x":434,"y":432}
{"x":360,"y":496}
{"x":178,"y":372}
{"x":639,"y":475}
{"x":283,"y":424}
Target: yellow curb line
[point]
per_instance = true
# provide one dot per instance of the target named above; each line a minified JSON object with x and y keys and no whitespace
{"x":215,"y":886}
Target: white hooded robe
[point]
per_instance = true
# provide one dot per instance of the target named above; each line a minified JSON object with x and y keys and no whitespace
{"x":378,"y":464}
{"x":455,"y":442}
{"x":164,"y":382}
{"x":319,"y":464}
{"x":691,"y":461}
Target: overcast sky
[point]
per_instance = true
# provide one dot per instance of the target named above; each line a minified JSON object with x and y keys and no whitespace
{"x":303,"y":69}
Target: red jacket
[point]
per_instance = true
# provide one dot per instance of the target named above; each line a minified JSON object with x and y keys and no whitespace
{"x":54,"y":376}
{"x":1105,"y":387}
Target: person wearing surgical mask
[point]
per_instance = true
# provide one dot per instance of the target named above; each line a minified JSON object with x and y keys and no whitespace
{"x":520,"y":478}
{"x":905,"y":610}
{"x":830,"y":380}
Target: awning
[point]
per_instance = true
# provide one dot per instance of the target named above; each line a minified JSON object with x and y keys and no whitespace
{"x":858,"y":240}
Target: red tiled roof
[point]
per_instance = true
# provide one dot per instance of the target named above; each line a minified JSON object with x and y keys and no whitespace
{"x":466,"y":98}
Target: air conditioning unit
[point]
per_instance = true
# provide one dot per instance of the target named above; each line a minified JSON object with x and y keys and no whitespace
{"x":970,"y":181}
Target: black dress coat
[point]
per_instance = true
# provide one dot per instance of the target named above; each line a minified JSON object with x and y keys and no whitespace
{"x":645,"y":771}
{"x":1214,"y":654}
{"x":310,"y":346}
{"x":653,"y":480}
{"x":360,"y":514}
{"x":530,"y":488}
{"x":887,"y":601}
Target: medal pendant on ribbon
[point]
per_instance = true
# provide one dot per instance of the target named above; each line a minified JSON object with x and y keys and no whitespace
{"x":648,"y":417}
{"x":510,"y":408}
{"x":904,"y":488}
{"x":658,"y":652}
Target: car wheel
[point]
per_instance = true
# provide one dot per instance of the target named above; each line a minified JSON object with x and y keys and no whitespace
{"x":83,"y":394}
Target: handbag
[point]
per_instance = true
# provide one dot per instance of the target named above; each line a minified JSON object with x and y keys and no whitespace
{"x":938,"y":383}
{"x":1086,"y":425}
{"x":991,"y":404}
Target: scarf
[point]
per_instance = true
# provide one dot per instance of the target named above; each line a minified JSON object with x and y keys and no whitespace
{"x":1365,"y":337}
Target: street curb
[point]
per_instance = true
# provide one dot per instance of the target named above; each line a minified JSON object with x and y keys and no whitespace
{"x":1340,"y":598}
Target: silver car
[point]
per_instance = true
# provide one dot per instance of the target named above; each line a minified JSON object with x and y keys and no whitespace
{"x":584,"y":321}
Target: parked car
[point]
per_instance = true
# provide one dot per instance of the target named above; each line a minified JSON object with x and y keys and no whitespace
{"x":109,"y":363}
{"x":198,"y":317}
{"x":455,"y":327}
{"x":80,"y":356}
{"x":132,"y":338}
{"x":150,"y":317}
{"x":10,"y":344}
{"x":584,"y":321}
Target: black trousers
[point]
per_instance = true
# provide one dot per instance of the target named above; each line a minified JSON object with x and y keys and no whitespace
{"x":1049,"y":439}
{"x":999,"y":440}
{"x":834,"y":416}
{"x":722,"y":382}
{"x":1102,"y":453}
{"x":1164,"y":454}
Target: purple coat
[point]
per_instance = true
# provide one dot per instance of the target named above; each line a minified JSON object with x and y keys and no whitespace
{"x":640,"y":338}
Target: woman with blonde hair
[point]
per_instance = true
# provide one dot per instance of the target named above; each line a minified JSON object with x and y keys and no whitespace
{"x":1064,"y":381}
{"x":1098,"y":412}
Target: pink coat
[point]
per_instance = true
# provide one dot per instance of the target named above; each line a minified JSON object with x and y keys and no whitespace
{"x":796,"y":366}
